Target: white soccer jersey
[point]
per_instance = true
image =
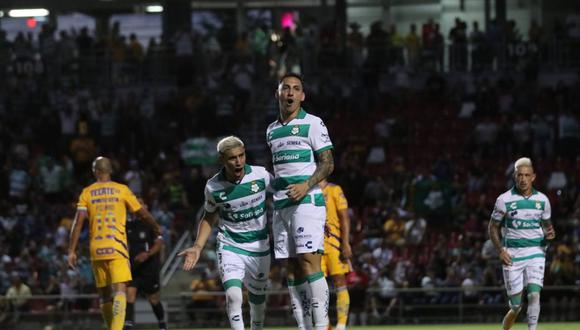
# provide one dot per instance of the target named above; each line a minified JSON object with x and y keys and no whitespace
{"x":242,"y":210}
{"x":521,"y":219}
{"x":293,"y":146}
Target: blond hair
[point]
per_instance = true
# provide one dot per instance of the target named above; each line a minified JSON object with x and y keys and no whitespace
{"x":228,"y":143}
{"x":524,"y":161}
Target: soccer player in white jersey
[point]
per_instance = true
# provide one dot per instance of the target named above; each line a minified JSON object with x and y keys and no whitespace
{"x":236,"y":199}
{"x":302,"y":157}
{"x":519,"y":227}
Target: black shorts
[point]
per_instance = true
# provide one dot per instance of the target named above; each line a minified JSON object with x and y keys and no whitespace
{"x":146,"y":280}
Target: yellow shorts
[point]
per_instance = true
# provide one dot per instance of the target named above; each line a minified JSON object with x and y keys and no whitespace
{"x":111,"y":271}
{"x":331,"y":263}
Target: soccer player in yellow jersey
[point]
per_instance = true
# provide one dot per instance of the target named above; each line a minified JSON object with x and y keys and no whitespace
{"x":337,"y":251}
{"x":105,"y":204}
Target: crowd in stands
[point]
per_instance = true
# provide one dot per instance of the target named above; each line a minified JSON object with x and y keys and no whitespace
{"x":421,"y":163}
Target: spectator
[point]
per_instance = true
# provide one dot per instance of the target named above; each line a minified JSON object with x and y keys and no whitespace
{"x":17,"y":295}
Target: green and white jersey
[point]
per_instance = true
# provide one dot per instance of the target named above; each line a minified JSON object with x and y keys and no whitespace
{"x":293,"y":147}
{"x":521,"y":220}
{"x":242,"y":210}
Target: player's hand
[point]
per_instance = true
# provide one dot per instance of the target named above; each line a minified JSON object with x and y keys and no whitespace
{"x":191,"y":257}
{"x":346,"y":251}
{"x":505,"y":257}
{"x":297,"y":191}
{"x":550,"y":233}
{"x":72,"y":260}
{"x":141,"y":257}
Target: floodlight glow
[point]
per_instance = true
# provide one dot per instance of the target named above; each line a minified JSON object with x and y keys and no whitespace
{"x":36,"y":12}
{"x":1,"y":13}
{"x":154,"y":9}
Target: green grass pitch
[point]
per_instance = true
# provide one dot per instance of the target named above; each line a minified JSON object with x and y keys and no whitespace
{"x":487,"y":326}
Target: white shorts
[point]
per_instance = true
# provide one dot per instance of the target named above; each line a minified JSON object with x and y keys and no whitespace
{"x":253,"y":271}
{"x":522,"y":273}
{"x":298,"y":229}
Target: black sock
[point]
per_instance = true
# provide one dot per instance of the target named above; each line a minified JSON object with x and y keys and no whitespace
{"x":130,"y":314}
{"x":159,"y":314}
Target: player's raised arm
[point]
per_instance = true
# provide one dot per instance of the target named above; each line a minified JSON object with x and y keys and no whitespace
{"x":75,"y":233}
{"x":193,"y":253}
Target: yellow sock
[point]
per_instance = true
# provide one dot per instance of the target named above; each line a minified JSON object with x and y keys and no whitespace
{"x":119,"y":305}
{"x":342,"y":304}
{"x":107,"y":311}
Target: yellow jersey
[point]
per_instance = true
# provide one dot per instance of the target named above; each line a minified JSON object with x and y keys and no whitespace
{"x":335,"y":201}
{"x":106,"y":204}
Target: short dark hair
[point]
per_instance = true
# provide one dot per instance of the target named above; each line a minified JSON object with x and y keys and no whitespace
{"x":293,"y":75}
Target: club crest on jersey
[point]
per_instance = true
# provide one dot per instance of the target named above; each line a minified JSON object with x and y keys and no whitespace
{"x":538,"y":205}
{"x":295,"y":130}
{"x":254,"y":188}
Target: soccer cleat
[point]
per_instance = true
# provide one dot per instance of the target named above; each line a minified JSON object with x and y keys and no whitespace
{"x":509,"y":319}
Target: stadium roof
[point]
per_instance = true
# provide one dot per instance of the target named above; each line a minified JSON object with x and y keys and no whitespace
{"x":130,"y":5}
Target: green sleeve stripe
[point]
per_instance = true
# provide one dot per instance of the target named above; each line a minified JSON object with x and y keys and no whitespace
{"x":233,"y":282}
{"x":324,"y":149}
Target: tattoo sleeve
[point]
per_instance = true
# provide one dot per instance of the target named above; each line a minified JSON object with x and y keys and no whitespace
{"x":494,"y":230}
{"x":324,"y":166}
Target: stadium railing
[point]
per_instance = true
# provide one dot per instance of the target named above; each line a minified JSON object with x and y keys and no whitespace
{"x":413,"y":305}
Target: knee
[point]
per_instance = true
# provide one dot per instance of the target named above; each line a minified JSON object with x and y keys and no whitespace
{"x":234,"y":296}
{"x":533,"y":298}
{"x":515,"y":303}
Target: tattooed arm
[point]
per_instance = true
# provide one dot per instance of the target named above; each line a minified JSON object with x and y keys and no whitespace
{"x":494,"y":230}
{"x":548,"y":229}
{"x":324,"y":167}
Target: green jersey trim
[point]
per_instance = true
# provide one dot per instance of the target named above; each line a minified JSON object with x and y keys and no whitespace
{"x":283,"y":182}
{"x":323,"y":149}
{"x":246,"y":237}
{"x":291,"y":156}
{"x":238,"y":191}
{"x":244,"y":215}
{"x":532,"y":256}
{"x":246,"y":252}
{"x":284,"y":203}
{"x":300,"y":130}
{"x":525,"y":204}
{"x":525,"y":242}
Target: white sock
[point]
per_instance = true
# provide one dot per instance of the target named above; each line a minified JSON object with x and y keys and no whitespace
{"x":320,"y":296}
{"x":234,"y":301}
{"x":300,"y":300}
{"x":257,"y":308}
{"x":533,"y":310}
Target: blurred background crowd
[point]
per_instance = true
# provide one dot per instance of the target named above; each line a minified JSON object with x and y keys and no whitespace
{"x":426,"y":125}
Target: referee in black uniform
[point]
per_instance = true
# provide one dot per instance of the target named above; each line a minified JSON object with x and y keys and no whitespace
{"x":144,"y":247}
